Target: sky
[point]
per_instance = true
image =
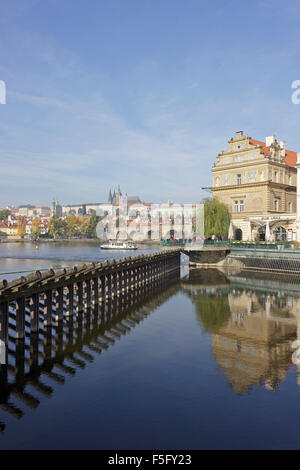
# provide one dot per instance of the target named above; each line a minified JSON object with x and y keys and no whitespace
{"x":139,"y":93}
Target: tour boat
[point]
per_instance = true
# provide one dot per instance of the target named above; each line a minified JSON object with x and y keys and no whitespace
{"x":118,"y":245}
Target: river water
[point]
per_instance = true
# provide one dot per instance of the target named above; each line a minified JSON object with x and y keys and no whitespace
{"x":18,"y":259}
{"x":205,"y":361}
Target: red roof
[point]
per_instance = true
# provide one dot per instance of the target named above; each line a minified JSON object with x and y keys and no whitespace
{"x":290,"y":157}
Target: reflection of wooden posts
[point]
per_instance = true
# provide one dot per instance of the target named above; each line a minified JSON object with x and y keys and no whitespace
{"x":20,"y":318}
{"x":20,"y":361}
{"x":79,"y":294}
{"x":47,"y":344}
{"x":59,"y":304}
{"x":34,"y":351}
{"x":59,"y":334}
{"x":69,"y":300}
{"x":3,"y":321}
{"x":48,"y":308}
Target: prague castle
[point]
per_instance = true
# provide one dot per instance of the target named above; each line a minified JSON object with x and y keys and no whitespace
{"x":258,"y":182}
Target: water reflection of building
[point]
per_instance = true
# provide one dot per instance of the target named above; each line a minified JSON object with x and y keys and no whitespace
{"x":253,"y":345}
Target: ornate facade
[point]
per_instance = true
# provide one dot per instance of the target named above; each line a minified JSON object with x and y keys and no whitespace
{"x":258,"y":182}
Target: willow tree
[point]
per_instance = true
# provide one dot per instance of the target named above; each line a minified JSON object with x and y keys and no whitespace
{"x":216,"y":218}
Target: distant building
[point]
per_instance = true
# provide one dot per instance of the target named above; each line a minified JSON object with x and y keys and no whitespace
{"x":56,"y":209}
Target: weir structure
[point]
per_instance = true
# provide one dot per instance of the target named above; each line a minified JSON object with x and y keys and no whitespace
{"x":42,"y":300}
{"x":49,"y":356}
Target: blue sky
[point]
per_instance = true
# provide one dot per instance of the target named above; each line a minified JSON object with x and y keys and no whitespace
{"x":141,"y":93}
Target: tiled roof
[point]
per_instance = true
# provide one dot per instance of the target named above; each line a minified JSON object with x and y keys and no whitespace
{"x":290,"y":157}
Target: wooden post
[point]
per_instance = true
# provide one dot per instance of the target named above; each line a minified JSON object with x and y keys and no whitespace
{"x":59,"y":304}
{"x":34,"y":351}
{"x":95,"y":293}
{"x":20,"y":318}
{"x":108,"y":285}
{"x":3,"y":321}
{"x":102,"y":289}
{"x":48,"y":308}
{"x":79,"y":293}
{"x":87,"y":294}
{"x":127,"y":280}
{"x":34,"y":303}
{"x":70,"y":300}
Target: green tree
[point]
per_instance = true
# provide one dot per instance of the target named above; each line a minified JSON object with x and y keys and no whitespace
{"x":91,"y":232}
{"x":216,"y":218}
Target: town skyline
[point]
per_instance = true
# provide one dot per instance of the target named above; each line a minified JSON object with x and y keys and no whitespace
{"x":146,"y":98}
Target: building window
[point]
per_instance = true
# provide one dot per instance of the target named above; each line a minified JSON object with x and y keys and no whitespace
{"x":276,"y":205}
{"x":239,"y":179}
{"x":236,"y":206}
{"x":290,"y":207}
{"x":281,"y":177}
{"x":217,"y":181}
{"x":290,"y":180}
{"x":276,"y":176}
{"x":262,"y":175}
{"x":241,"y":206}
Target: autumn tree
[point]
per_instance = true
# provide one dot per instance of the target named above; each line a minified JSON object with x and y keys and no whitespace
{"x":36,"y":228}
{"x":21,"y":226}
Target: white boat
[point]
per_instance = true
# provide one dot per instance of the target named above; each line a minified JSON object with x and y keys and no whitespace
{"x":118,"y":245}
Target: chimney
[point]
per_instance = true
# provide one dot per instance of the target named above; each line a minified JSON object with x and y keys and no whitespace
{"x":270,"y":140}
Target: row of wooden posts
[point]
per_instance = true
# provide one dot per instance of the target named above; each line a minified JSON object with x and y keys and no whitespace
{"x":54,"y":296}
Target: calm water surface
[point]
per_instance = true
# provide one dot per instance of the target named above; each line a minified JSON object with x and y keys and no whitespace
{"x":204,"y":361}
{"x":20,"y":258}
